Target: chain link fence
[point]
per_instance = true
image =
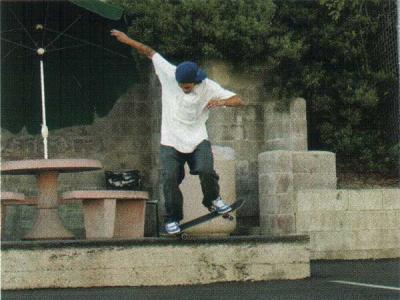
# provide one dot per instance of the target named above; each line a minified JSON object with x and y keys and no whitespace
{"x":387,"y":50}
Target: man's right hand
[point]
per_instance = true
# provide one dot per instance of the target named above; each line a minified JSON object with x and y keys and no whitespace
{"x":141,"y":48}
{"x":120,"y":36}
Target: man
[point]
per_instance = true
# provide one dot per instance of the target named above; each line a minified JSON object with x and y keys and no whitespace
{"x":187,"y":95}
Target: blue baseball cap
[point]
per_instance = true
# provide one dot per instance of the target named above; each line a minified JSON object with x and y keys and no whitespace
{"x":189,"y":72}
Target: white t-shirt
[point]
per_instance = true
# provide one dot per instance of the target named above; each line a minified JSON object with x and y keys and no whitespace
{"x":184,"y":116}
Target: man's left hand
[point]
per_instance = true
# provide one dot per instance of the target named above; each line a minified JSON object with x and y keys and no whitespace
{"x":215,"y":103}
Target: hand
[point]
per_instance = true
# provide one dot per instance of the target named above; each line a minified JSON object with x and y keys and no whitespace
{"x":215,"y":103}
{"x":120,"y":36}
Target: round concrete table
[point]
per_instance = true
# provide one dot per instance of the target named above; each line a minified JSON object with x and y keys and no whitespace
{"x":48,"y":224}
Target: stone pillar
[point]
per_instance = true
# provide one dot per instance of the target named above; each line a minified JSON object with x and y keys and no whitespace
{"x":286,"y":130}
{"x":283,"y":172}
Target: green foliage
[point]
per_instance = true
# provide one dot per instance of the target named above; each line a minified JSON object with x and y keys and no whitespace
{"x":335,"y":70}
{"x":233,"y":29}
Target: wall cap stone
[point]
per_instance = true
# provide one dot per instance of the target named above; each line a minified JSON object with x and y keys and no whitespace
{"x":29,"y":245}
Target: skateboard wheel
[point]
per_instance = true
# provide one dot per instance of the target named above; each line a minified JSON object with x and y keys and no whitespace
{"x":184,"y":236}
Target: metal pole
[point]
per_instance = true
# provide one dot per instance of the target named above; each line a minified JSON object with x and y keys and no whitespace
{"x":45,"y":130}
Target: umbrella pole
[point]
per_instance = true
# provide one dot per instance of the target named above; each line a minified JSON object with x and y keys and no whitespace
{"x":45,"y":130}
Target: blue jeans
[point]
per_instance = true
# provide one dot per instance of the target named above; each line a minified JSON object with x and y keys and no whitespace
{"x":201,"y":162}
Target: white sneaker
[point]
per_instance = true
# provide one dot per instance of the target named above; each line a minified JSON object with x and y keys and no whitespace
{"x":220,"y":206}
{"x":172,"y":227}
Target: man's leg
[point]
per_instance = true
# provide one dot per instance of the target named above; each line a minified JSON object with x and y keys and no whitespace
{"x":201,"y":162}
{"x":172,"y":174}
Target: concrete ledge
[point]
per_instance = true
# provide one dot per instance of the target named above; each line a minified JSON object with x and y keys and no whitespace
{"x":152,"y":262}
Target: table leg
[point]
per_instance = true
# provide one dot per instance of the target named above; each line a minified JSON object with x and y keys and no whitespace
{"x":48,"y":224}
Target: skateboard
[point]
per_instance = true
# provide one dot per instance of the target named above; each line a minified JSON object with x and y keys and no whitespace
{"x":204,"y":218}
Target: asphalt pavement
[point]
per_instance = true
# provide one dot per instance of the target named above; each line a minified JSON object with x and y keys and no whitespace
{"x":362,"y":279}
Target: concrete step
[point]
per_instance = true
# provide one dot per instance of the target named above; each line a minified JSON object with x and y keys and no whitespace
{"x":152,"y":261}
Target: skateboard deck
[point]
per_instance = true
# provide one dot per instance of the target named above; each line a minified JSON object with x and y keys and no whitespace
{"x":207,"y":217}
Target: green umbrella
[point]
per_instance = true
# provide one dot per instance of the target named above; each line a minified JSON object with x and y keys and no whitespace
{"x":98,"y":7}
{"x":101,"y":7}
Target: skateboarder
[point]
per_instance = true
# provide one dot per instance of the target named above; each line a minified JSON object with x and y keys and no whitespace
{"x":187,"y":95}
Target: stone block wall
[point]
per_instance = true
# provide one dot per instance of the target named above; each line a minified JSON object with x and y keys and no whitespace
{"x":350,"y":224}
{"x":281,"y":174}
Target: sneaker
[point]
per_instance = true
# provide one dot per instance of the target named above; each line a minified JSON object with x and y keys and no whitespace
{"x":220,"y":206}
{"x":172,"y":227}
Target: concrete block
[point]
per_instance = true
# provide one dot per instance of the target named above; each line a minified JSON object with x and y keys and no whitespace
{"x":327,"y":162}
{"x":278,"y":127}
{"x":228,"y":116}
{"x":297,"y":108}
{"x":303,"y":162}
{"x":372,"y":219}
{"x":365,"y":199}
{"x":331,"y":240}
{"x":390,"y":238}
{"x":331,"y":200}
{"x":298,"y":129}
{"x":304,"y":201}
{"x":277,"y":224}
{"x":253,"y":113}
{"x":246,"y":150}
{"x":298,"y":143}
{"x":303,"y":222}
{"x":275,"y":162}
{"x":370,"y":239}
{"x":277,"y":144}
{"x":309,"y":181}
{"x":282,"y":203}
{"x":321,"y":200}
{"x":275,"y":183}
{"x":316,"y":221}
{"x":251,"y":132}
{"x":391,"y":198}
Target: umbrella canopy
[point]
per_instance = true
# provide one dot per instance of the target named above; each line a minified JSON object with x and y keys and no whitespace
{"x":85,"y":70}
{"x":101,"y":8}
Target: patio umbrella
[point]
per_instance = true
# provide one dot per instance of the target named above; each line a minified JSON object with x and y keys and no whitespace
{"x":39,"y":36}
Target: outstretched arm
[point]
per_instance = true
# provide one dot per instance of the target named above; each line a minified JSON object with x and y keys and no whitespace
{"x":233,"y":101}
{"x":141,"y":48}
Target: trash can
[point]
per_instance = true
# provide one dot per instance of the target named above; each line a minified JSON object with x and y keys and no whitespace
{"x":123,"y":180}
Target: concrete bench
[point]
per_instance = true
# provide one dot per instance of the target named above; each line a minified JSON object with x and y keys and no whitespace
{"x":111,"y":213}
{"x":12,"y":198}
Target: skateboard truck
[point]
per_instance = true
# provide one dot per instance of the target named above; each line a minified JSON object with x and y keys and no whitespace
{"x":228,"y":216}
